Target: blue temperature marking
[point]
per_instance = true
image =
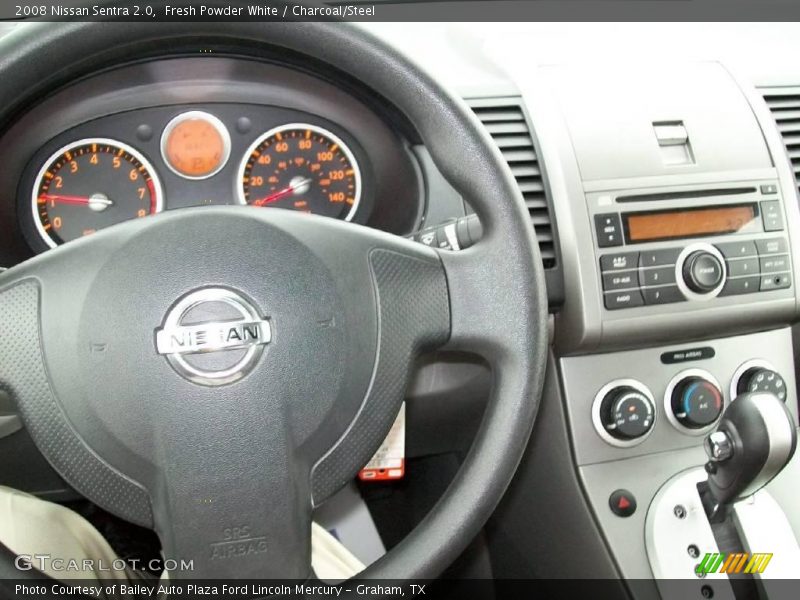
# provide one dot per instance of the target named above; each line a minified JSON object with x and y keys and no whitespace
{"x":688,"y":393}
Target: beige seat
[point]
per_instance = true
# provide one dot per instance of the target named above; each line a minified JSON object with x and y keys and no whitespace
{"x":33,"y":527}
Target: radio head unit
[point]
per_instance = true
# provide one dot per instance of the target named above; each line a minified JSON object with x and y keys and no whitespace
{"x":684,"y":245}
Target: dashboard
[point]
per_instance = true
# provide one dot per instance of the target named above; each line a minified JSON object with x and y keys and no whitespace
{"x":185,"y":132}
{"x":670,"y":181}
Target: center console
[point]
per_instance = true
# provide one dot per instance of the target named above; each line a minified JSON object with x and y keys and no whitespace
{"x":681,"y":288}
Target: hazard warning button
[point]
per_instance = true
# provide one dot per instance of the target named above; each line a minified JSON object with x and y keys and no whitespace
{"x":622,"y":503}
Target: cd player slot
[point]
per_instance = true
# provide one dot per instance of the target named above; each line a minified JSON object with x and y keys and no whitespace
{"x":655,"y":197}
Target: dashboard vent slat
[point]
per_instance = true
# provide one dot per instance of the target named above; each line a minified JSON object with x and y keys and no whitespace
{"x":505,"y":121}
{"x":490,"y":114}
{"x":506,"y":127}
{"x":516,"y":156}
{"x":512,"y":141}
{"x":789,"y":115}
{"x":791,"y":138}
{"x":778,"y":101}
{"x":530,"y":185}
{"x":785,"y":106}
{"x":535,"y":203}
{"x":526,"y":170}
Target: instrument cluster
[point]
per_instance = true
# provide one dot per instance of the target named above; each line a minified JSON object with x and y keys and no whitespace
{"x":178,"y":157}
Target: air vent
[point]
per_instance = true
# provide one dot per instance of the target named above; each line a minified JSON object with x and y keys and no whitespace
{"x":785,"y":107}
{"x":506,"y":123}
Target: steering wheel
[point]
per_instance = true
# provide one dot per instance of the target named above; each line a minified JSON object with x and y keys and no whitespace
{"x":307,"y":329}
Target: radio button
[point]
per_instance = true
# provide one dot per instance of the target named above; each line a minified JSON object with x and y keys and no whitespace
{"x":737,"y":249}
{"x":775,"y":264}
{"x":745,"y":266}
{"x":627,"y":299}
{"x":775,"y":282}
{"x":662,"y":295}
{"x":772,"y":215}
{"x":619,"y":261}
{"x":772,"y":246}
{"x":741,"y":285}
{"x":656,"y":258}
{"x":620,"y":280}
{"x":769,"y":188}
{"x":702,"y":272}
{"x":658,"y":276}
{"x":609,"y":230}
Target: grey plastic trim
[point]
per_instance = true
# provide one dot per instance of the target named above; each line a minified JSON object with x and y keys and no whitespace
{"x":583,"y":324}
{"x":582,"y":376}
{"x":9,"y":424}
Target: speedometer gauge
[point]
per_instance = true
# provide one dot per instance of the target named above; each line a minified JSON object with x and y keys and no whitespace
{"x":91,"y":184}
{"x":301,"y":167}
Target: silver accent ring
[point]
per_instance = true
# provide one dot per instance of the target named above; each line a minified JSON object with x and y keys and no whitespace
{"x":215,"y":123}
{"x":83,"y":142}
{"x":315,"y":128}
{"x":702,"y":374}
{"x":597,"y":420}
{"x":755,"y":363}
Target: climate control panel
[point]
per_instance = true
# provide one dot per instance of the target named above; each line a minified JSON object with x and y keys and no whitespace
{"x":634,"y":402}
{"x":624,"y":412}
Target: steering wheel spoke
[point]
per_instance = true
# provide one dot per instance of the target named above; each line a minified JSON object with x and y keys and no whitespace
{"x":492,"y":313}
{"x":413,"y":315}
{"x":40,"y":303}
{"x":234,"y":503}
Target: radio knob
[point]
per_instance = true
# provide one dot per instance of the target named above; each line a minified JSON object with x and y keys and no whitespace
{"x":696,"y":402}
{"x":626,"y":413}
{"x":760,"y":379}
{"x":702,"y":272}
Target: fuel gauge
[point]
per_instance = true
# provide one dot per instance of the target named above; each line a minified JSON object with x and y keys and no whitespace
{"x":195,"y":145}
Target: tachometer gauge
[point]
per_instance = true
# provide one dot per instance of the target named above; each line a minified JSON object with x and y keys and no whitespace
{"x":301,"y":167}
{"x":91,"y":184}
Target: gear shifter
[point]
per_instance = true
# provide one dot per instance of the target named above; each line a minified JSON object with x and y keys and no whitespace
{"x":755,"y":439}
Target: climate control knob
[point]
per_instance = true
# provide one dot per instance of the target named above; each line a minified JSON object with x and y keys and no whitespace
{"x":626,"y":413}
{"x":762,"y":379}
{"x":695,"y":402}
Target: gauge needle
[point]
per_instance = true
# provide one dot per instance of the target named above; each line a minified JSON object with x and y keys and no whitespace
{"x":65,"y":199}
{"x":297,"y":185}
{"x":96,"y":202}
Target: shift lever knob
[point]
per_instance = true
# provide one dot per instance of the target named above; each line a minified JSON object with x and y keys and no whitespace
{"x":755,"y":439}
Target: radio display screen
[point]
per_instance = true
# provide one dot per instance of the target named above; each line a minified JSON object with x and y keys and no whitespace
{"x":702,"y":221}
